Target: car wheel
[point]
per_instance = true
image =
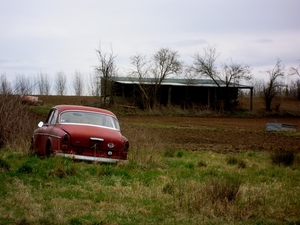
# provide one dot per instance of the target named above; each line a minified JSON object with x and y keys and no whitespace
{"x":31,"y":148}
{"x":48,"y":149}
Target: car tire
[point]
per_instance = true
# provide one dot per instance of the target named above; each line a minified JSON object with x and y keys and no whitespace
{"x":48,"y":149}
{"x":31,"y":148}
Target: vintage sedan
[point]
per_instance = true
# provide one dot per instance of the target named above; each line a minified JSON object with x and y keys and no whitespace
{"x":81,"y":132}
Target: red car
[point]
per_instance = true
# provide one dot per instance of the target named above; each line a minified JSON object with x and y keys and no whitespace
{"x":81,"y":132}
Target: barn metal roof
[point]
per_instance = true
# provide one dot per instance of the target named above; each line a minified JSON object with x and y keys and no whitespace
{"x":179,"y":82}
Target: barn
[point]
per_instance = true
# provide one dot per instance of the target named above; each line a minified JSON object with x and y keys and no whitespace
{"x":182,"y":92}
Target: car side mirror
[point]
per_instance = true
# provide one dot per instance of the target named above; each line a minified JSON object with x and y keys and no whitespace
{"x":40,"y":124}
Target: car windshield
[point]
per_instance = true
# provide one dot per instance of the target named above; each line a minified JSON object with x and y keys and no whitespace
{"x":91,"y":118}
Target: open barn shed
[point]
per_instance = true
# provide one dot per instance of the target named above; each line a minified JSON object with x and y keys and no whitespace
{"x":182,"y":92}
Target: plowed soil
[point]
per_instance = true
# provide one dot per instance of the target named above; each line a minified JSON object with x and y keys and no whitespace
{"x":206,"y":133}
{"x":213,"y":134}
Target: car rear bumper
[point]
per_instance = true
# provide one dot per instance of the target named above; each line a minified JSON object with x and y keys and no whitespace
{"x":90,"y":158}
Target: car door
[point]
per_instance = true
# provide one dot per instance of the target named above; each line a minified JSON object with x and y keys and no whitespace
{"x":45,"y":132}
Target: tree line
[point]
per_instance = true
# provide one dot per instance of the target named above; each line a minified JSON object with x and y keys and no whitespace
{"x":164,"y":63}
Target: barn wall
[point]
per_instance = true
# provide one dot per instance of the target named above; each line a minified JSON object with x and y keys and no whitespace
{"x":184,"y":96}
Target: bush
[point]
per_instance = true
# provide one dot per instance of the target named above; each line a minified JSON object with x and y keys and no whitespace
{"x":283,"y":157}
{"x":201,"y":163}
{"x":232,"y":160}
{"x":4,"y":165}
{"x":63,"y":168}
{"x":16,"y":122}
{"x":169,"y":152}
{"x":222,"y":189}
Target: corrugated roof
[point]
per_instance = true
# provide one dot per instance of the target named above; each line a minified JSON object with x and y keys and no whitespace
{"x":178,"y":82}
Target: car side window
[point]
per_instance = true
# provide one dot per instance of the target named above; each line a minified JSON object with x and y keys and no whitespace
{"x":52,"y":117}
{"x":49,"y":117}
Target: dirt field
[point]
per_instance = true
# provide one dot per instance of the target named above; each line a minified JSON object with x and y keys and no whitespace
{"x":213,"y":134}
{"x":203,"y":133}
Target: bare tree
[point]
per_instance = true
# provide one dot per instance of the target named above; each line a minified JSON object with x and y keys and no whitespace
{"x":93,"y":84}
{"x":296,"y":85}
{"x":106,"y":69}
{"x":43,"y":84}
{"x":61,"y":83}
{"x":294,"y":89}
{"x":23,"y":85}
{"x":5,"y":87}
{"x":295,"y":71}
{"x":205,"y":65}
{"x":231,"y":74}
{"x":165,"y":64}
{"x":78,"y":83}
{"x":273,"y":86}
{"x":258,"y":85}
{"x":142,"y":71}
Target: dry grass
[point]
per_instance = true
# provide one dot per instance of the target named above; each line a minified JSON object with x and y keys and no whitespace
{"x":15,"y":124}
{"x":161,"y":184}
{"x":168,"y":190}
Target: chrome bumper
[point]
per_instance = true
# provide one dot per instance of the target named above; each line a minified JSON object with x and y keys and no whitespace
{"x":90,"y":158}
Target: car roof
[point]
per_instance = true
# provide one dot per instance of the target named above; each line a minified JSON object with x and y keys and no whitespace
{"x":62,"y":108}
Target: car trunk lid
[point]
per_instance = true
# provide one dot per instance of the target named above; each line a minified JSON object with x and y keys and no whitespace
{"x":96,"y":137}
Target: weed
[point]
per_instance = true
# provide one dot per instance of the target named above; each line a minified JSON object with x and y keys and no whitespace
{"x":169,"y":152}
{"x":201,"y":163}
{"x":169,"y":188}
{"x":223,"y":189}
{"x":25,"y":168}
{"x":180,"y":153}
{"x":232,"y":160}
{"x":16,"y":122}
{"x":4,"y":165}
{"x":283,"y":157}
{"x":63,"y":168}
{"x":242,"y":164}
{"x":112,"y":170}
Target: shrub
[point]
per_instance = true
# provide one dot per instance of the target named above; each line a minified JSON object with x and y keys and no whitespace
{"x":232,"y":160}
{"x":4,"y":165}
{"x":180,"y":153}
{"x":16,"y":122}
{"x":201,"y":163}
{"x":169,"y":152}
{"x":242,"y":164}
{"x":283,"y":157}
{"x":169,"y":188}
{"x":63,"y":168}
{"x":25,"y":168}
{"x":222,"y":189}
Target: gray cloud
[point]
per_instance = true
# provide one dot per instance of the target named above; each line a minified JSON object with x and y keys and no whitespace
{"x":62,"y":35}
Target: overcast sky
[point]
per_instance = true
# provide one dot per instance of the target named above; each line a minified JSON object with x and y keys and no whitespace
{"x":62,"y":35}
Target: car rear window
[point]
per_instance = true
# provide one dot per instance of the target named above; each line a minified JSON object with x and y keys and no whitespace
{"x":91,"y":118}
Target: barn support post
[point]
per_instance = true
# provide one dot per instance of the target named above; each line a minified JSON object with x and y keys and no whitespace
{"x":169,"y":95}
{"x":208,"y":98}
{"x":251,"y":99}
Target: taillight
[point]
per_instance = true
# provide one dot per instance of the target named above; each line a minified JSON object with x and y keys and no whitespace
{"x":65,"y":138}
{"x":126,"y":145}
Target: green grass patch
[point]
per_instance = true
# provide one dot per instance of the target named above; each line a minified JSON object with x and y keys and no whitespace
{"x":184,"y":188}
{"x":42,"y":110}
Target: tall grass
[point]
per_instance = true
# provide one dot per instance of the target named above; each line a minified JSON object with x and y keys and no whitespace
{"x":61,"y":191}
{"x":161,"y":184}
{"x":283,"y":157}
{"x":15,"y":123}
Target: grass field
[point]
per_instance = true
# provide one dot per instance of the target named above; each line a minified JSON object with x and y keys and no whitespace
{"x":181,"y":170}
{"x":157,"y":187}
